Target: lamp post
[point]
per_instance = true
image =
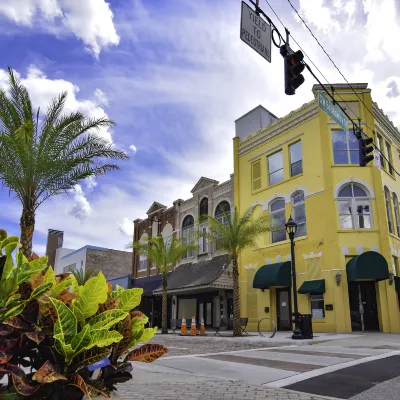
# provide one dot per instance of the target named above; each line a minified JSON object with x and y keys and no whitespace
{"x":291,"y":228}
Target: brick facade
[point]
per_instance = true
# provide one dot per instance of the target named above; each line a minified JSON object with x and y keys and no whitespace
{"x":113,"y":263}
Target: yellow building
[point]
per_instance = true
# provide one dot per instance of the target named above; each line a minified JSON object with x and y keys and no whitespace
{"x":348,"y":239}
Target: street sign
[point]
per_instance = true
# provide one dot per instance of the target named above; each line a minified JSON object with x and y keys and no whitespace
{"x":255,"y":31}
{"x":377,"y":159}
{"x":333,"y":111}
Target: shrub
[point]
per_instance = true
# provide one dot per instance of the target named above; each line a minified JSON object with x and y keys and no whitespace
{"x":75,"y":339}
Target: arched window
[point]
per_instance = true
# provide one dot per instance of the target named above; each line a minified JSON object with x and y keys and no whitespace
{"x":299,"y":213}
{"x":354,"y":208}
{"x":222,"y":212}
{"x":188,"y":233}
{"x":396,"y":212}
{"x":142,"y":258}
{"x":389,"y":210}
{"x":203,"y":207}
{"x":278,"y":220}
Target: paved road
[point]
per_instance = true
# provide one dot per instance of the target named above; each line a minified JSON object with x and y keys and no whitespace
{"x":226,"y":368}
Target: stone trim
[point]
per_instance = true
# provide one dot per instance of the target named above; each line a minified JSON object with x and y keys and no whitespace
{"x":353,"y":180}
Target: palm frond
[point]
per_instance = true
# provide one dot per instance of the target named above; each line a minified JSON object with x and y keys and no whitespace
{"x":81,"y":275}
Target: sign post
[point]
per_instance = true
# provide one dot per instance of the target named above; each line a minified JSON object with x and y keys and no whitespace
{"x":255,"y":31}
{"x":333,"y":111}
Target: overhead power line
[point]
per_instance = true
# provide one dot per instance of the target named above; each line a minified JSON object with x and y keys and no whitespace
{"x":330,"y":58}
{"x":323,"y":86}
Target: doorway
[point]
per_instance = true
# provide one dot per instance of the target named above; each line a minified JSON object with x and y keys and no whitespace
{"x":206,"y":311}
{"x":283,"y":309}
{"x":363,"y":306}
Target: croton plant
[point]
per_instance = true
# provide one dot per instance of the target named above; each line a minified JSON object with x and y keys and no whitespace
{"x":59,"y":340}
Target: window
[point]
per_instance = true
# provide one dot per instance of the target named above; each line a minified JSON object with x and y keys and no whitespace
{"x":69,"y":268}
{"x":389,"y":210}
{"x":345,"y":148}
{"x":381,"y":148}
{"x":389,"y":157}
{"x":396,"y":213}
{"x":143,"y":258}
{"x":278,"y":220}
{"x":203,"y":207}
{"x":299,"y":213}
{"x":296,"y":159}
{"x":395,"y":265}
{"x":222,"y":212}
{"x":275,"y":168}
{"x":317,"y":305}
{"x":188,"y":233}
{"x":81,"y":263}
{"x":203,"y":241}
{"x":256,"y":175}
{"x":354,"y":208}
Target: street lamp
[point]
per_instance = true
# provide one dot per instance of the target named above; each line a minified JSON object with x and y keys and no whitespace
{"x":291,"y":228}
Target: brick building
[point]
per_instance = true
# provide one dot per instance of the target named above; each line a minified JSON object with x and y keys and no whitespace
{"x":201,"y":285}
{"x":113,"y":263}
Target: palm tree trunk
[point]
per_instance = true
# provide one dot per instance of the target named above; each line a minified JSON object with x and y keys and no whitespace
{"x":164,"y":304}
{"x":27,"y":224}
{"x":237,"y":330}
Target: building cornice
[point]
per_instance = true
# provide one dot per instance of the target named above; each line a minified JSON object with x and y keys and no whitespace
{"x":296,"y":118}
{"x":385,"y":122}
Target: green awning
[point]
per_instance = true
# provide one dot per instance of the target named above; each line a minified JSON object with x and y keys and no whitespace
{"x":397,"y":283}
{"x":273,"y":275}
{"x":312,"y":287}
{"x":367,"y":266}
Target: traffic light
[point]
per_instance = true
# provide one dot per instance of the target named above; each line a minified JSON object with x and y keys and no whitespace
{"x":293,"y":68}
{"x":365,"y":151}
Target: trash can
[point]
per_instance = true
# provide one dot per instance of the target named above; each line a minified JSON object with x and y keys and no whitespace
{"x":306,"y":325}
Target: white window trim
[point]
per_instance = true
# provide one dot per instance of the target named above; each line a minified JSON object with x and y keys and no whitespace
{"x":290,"y":158}
{"x":281,"y":169}
{"x":354,"y":214}
{"x":348,"y":150}
{"x":297,"y":205}
{"x":271,"y":213}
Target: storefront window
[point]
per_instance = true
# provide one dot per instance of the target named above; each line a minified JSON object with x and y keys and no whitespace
{"x":317,"y":305}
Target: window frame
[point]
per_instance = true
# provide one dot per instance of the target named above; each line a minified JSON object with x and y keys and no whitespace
{"x":204,"y":200}
{"x":379,"y":142}
{"x":203,"y":241}
{"x":315,"y":300}
{"x":395,"y":262}
{"x":290,"y":158}
{"x":348,"y":150}
{"x":271,"y":213}
{"x":298,"y":205}
{"x":256,"y":181}
{"x":389,"y":213}
{"x":396,"y":212}
{"x":143,"y":260}
{"x":388,"y":151}
{"x":187,"y":235}
{"x":354,"y":214}
{"x":274,"y":172}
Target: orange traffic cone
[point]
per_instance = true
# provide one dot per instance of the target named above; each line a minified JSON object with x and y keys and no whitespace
{"x":193,"y":330}
{"x":202,"y":328}
{"x":183,"y":327}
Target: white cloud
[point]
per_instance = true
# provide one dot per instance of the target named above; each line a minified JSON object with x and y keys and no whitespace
{"x":126,"y":227}
{"x":133,"y":148}
{"x":91,"y":182}
{"x":42,"y":90}
{"x":101,"y":97}
{"x":89,"y":20}
{"x":81,"y":208}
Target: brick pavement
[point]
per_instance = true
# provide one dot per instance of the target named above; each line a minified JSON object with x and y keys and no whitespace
{"x":183,"y":387}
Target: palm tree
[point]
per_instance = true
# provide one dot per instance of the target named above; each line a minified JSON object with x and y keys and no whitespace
{"x":163,"y":253}
{"x":81,"y":275}
{"x":45,"y":156}
{"x":237,"y":234}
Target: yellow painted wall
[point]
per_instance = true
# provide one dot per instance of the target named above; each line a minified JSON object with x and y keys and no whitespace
{"x":322,"y":253}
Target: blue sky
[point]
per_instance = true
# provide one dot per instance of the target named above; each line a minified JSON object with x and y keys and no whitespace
{"x":174,"y":75}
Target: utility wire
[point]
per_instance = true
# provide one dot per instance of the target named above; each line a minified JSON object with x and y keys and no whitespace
{"x":334,"y":64}
{"x":312,"y":62}
{"x":323,"y":86}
